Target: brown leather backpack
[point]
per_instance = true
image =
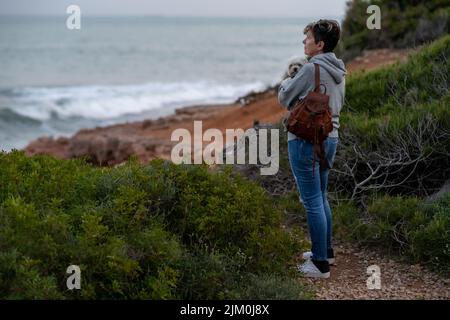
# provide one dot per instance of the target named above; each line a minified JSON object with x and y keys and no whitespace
{"x":310,"y":119}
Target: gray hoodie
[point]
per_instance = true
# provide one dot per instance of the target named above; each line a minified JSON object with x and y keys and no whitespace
{"x":332,"y":75}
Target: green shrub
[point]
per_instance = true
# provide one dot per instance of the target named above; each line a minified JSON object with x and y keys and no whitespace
{"x":210,"y":275}
{"x":430,"y":242}
{"x":393,"y":218}
{"x":404,"y":24}
{"x":227,"y":213}
{"x":271,"y":287}
{"x":135,"y":231}
{"x":346,"y":221}
{"x":404,"y":226}
{"x":422,"y":79}
{"x":21,"y":278}
{"x":215,"y":275}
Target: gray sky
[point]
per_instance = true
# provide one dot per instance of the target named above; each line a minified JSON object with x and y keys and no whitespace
{"x":257,"y":8}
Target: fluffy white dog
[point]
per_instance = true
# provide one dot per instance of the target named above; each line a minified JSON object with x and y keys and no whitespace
{"x":294,"y":64}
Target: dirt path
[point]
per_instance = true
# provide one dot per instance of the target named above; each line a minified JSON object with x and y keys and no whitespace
{"x":398,"y":280}
{"x":376,"y":58}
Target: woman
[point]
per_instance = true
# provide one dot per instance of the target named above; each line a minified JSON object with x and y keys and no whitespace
{"x":321,"y":39}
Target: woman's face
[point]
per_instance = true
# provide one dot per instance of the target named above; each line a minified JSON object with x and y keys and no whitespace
{"x":311,"y":47}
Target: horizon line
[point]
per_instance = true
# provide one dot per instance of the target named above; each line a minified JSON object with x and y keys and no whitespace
{"x":165,"y":16}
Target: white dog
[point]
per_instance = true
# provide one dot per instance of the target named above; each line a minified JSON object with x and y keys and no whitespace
{"x":294,"y":64}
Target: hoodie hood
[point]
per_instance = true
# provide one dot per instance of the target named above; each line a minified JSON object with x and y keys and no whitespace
{"x":334,"y":66}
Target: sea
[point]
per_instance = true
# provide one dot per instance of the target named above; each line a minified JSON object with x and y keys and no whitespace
{"x":55,"y":81}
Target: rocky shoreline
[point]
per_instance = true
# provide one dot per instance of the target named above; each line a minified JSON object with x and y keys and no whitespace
{"x":149,"y":139}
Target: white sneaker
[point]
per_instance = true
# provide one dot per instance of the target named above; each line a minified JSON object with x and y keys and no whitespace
{"x":308,"y":254}
{"x":311,"y":271}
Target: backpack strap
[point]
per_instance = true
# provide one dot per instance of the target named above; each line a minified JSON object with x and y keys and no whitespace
{"x":317,"y":76}
{"x":318,"y":148}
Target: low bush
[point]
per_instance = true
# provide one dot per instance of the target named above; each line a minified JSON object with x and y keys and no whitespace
{"x":402,"y":226}
{"x":158,"y":231}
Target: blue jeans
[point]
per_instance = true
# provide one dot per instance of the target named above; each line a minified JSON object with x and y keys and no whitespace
{"x":313,"y":191}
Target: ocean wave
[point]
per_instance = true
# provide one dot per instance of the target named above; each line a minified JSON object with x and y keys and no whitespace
{"x":10,"y":117}
{"x":109,"y":102}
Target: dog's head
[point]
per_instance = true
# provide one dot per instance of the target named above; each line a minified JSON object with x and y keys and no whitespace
{"x":295,"y":64}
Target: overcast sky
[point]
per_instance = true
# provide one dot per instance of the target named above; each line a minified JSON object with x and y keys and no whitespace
{"x":254,"y":8}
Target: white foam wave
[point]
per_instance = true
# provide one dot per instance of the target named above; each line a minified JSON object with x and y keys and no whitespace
{"x":109,"y":102}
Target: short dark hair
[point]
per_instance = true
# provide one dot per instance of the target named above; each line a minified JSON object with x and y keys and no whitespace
{"x":327,"y":31}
